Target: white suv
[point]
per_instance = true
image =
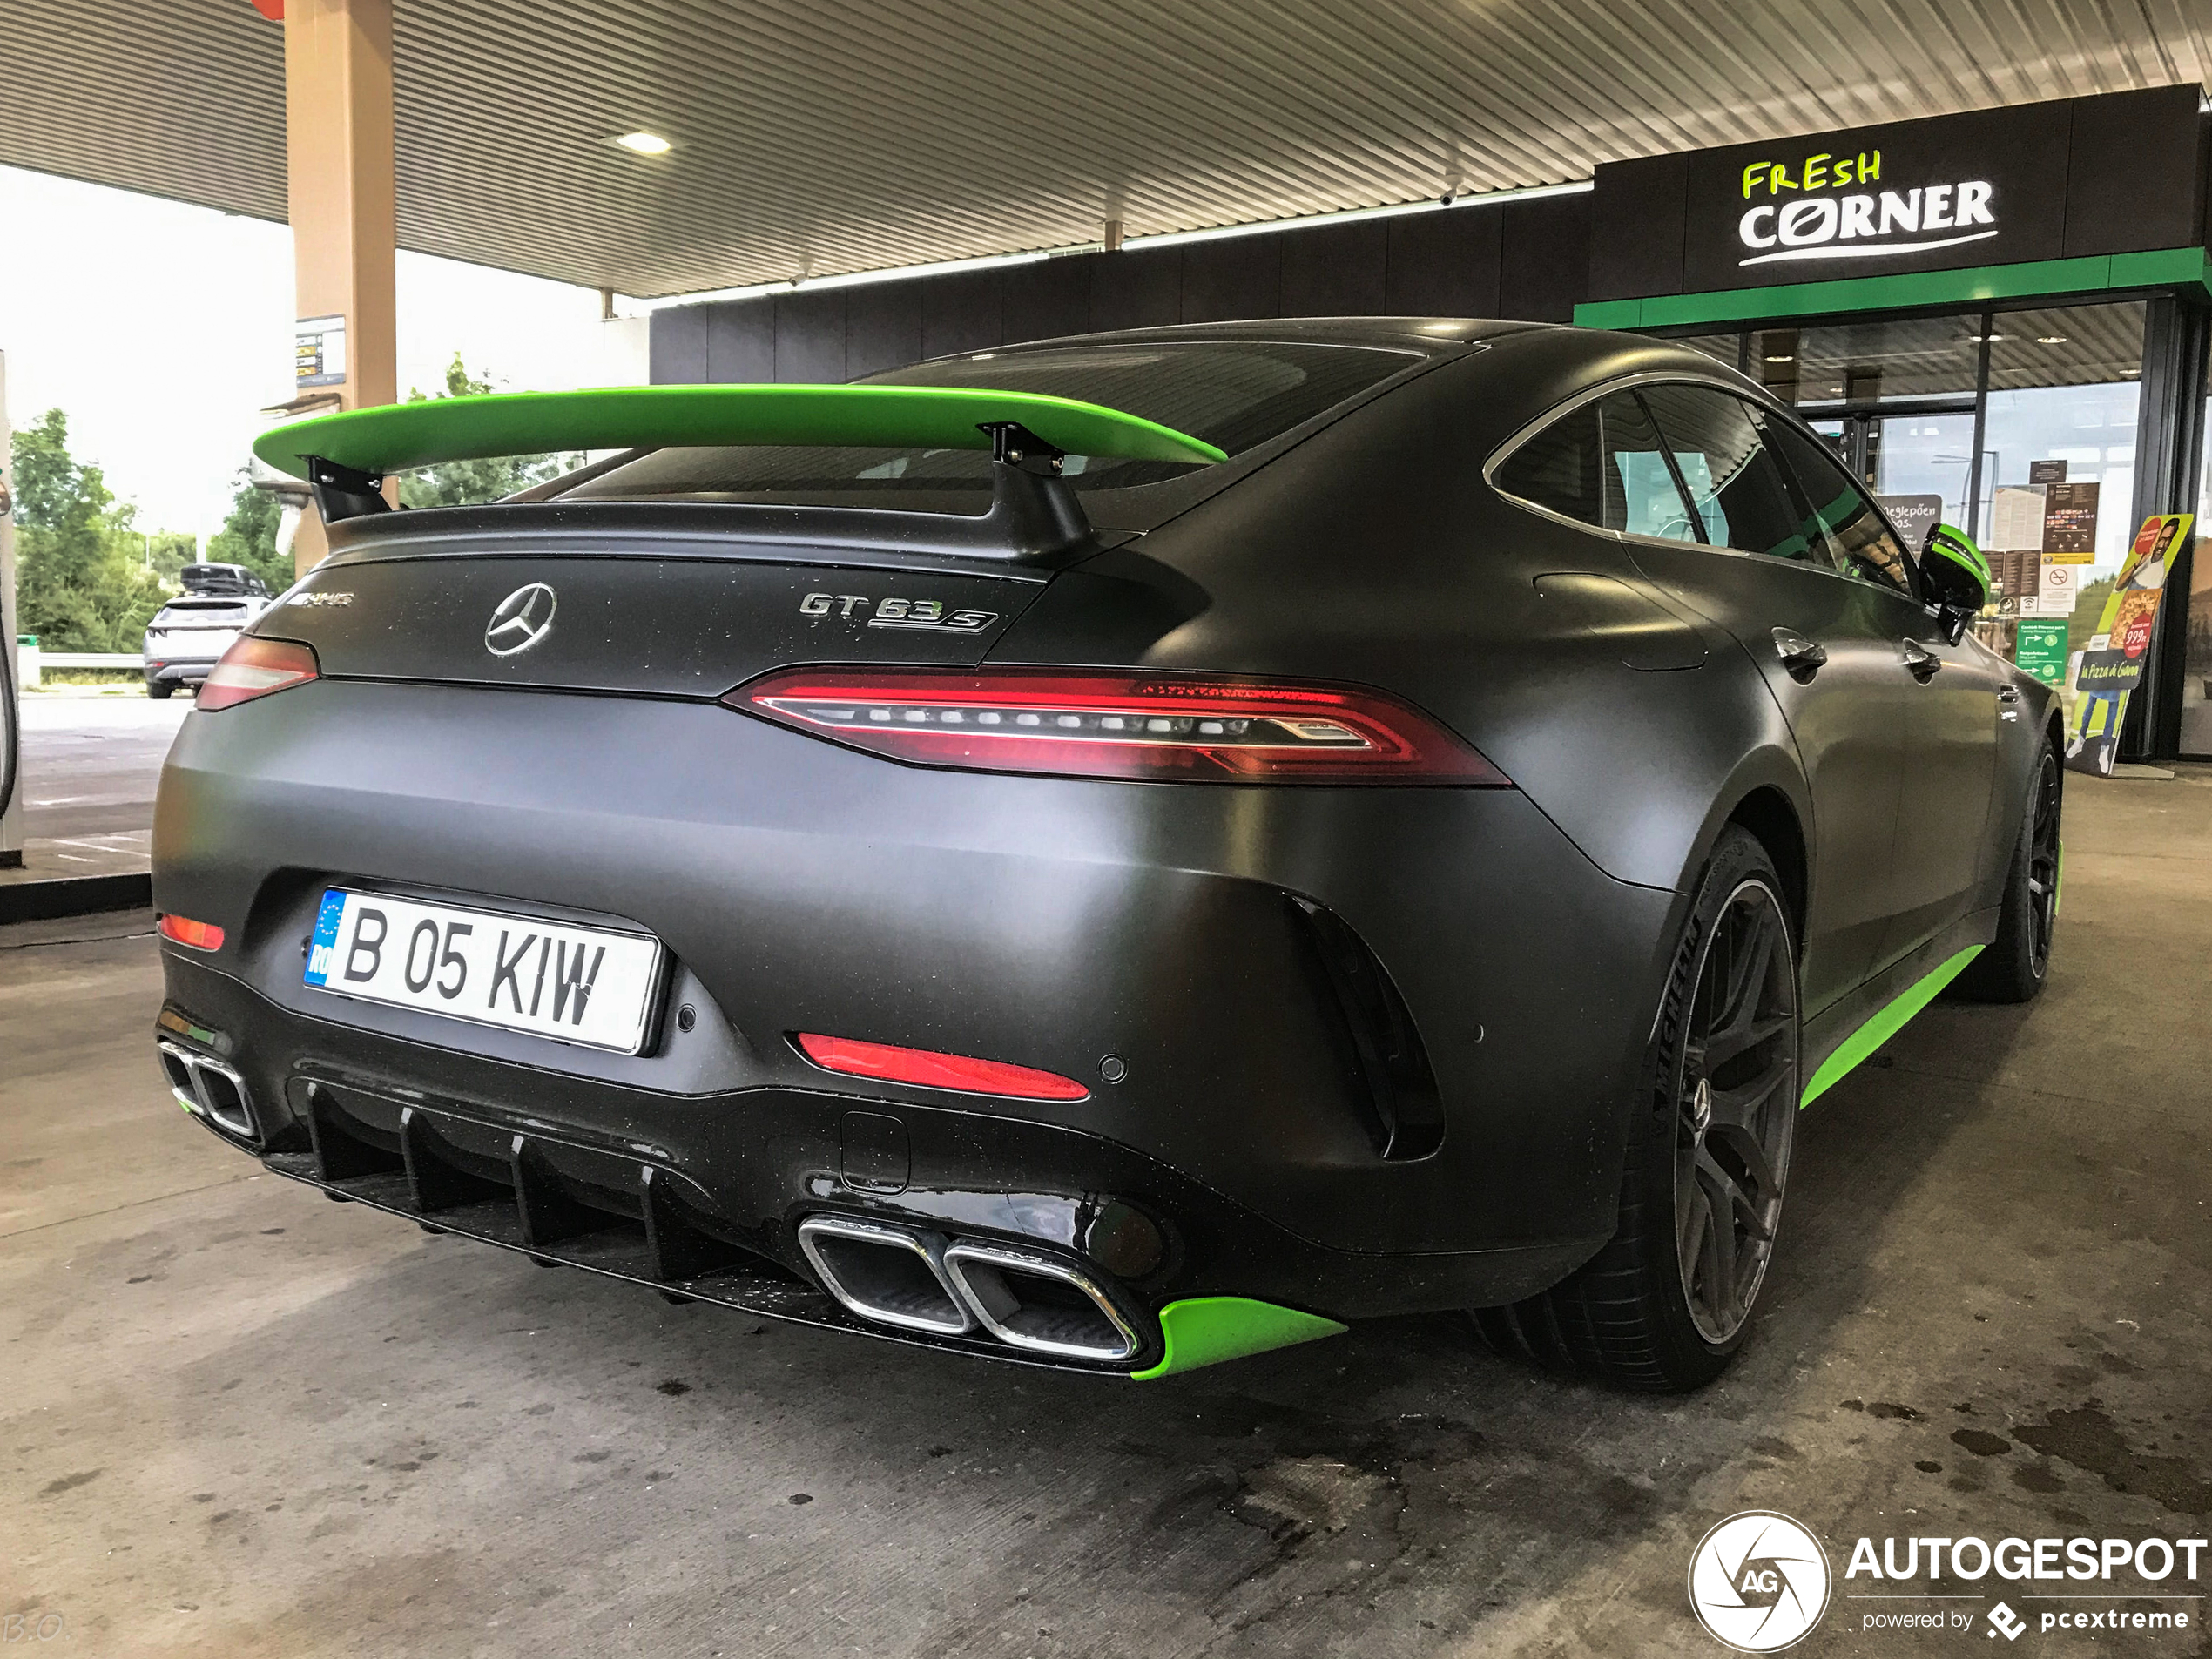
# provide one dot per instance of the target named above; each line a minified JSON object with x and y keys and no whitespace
{"x":189,"y":634}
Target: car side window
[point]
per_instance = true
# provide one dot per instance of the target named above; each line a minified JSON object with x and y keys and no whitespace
{"x":1734,"y":479}
{"x":1601,"y":465}
{"x":1860,"y":542}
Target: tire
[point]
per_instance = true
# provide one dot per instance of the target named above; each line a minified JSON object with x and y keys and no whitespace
{"x":2017,"y":962}
{"x":1667,"y":1303}
{"x":159,"y":690}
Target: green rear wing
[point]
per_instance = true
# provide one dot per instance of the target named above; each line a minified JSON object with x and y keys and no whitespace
{"x":346,"y":457}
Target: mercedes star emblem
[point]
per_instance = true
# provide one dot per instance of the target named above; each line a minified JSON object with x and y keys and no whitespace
{"x":524,"y":617}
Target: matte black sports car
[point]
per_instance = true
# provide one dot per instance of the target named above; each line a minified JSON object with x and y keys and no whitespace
{"x":1114,"y":852}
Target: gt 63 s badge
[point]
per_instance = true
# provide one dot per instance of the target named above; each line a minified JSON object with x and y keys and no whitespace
{"x":897,"y":613}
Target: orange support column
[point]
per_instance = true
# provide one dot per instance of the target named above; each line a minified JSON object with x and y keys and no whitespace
{"x":338,"y":129}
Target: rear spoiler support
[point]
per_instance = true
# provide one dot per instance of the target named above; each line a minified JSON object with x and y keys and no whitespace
{"x":344,"y":492}
{"x":1034,"y":513}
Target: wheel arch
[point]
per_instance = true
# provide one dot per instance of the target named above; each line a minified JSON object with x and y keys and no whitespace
{"x":1773,"y":820}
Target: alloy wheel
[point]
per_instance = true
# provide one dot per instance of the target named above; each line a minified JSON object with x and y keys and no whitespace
{"x":1735,"y":1111}
{"x":2043,"y":865}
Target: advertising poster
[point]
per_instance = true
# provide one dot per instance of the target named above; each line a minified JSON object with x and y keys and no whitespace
{"x":2113,"y":665}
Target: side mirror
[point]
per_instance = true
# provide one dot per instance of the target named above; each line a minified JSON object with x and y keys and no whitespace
{"x":1957,"y":579}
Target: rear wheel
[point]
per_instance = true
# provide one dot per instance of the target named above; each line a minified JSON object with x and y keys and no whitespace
{"x":1668,"y":1300}
{"x":2018,"y":961}
{"x":159,"y":689}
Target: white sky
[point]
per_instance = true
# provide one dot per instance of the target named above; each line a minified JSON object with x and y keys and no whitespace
{"x":164,"y":329}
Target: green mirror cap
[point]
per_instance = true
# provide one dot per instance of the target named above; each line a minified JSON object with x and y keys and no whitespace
{"x":396,"y":436}
{"x":1959,"y":547}
{"x":1206,"y":1330}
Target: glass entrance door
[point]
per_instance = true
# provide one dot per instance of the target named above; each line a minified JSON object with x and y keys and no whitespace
{"x":1926,"y":453}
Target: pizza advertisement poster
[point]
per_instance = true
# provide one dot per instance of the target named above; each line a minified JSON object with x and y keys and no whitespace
{"x":2120,"y":650}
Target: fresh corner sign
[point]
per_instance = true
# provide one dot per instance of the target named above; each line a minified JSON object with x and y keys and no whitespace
{"x":1828,"y":211}
{"x":1983,"y":188}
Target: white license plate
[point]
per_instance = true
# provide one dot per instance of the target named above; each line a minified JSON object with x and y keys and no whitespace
{"x":581,"y":985}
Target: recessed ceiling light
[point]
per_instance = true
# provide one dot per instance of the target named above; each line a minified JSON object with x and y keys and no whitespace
{"x":1785,"y":359}
{"x":2050,"y":339}
{"x":1991,"y":337}
{"x":643,"y":143}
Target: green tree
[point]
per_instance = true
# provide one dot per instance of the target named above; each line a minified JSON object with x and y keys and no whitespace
{"x":81,"y":583}
{"x":249,"y":536}
{"x":462,"y":484}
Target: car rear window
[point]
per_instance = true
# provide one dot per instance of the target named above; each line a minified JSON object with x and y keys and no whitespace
{"x":1233,"y":393}
{"x":202,"y":613}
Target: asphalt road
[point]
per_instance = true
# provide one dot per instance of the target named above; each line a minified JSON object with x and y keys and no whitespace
{"x":89,"y":765}
{"x":239,"y":1420}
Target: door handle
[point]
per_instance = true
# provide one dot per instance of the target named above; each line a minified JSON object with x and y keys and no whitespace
{"x":1921,"y":661}
{"x":1803,"y":657}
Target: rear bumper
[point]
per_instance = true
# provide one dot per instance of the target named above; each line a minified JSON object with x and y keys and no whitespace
{"x":179,"y":671}
{"x":703,"y":1196}
{"x":1050,"y":923}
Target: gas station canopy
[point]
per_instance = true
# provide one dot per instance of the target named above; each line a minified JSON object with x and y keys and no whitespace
{"x":812,"y":140}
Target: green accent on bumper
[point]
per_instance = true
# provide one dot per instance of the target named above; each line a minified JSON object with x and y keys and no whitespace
{"x":1884,"y":1025}
{"x":1206,"y":1330}
{"x":2159,"y":267}
{"x":398,"y":436}
{"x":2058,"y":882}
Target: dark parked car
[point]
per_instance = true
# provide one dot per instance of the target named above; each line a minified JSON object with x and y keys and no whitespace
{"x":1115,"y":853}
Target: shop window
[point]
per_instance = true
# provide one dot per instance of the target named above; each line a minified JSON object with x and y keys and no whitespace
{"x":2196,"y":639}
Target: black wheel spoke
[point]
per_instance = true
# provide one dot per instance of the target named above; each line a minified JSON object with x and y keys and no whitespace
{"x":1736,"y":1110}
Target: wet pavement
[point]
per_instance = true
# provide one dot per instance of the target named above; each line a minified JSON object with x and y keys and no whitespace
{"x":241,"y":1420}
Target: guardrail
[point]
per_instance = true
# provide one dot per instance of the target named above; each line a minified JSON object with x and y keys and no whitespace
{"x":90,"y":659}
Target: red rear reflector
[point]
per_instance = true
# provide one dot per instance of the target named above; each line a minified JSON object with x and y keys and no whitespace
{"x":201,"y":936}
{"x":1183,"y":729}
{"x":255,"y":668}
{"x":934,"y":1070}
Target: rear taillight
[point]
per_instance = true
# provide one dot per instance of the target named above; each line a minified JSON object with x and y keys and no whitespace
{"x":1162,"y":728}
{"x":201,"y":936}
{"x":255,"y":668}
{"x":934,"y":1071}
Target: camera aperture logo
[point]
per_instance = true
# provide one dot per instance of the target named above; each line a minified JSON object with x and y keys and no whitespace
{"x":1758,"y":1582}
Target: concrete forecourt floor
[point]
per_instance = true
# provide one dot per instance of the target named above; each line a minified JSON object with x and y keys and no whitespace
{"x":239,"y":1420}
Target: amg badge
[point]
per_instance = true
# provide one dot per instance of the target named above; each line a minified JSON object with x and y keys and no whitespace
{"x":897,"y":613}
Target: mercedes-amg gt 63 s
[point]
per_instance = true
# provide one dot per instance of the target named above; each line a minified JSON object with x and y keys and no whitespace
{"x":1115,"y":853}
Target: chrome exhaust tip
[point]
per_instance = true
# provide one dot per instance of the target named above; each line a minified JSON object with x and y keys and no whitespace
{"x":884,"y":1274}
{"x":207,"y":1088}
{"x":1038,"y":1304}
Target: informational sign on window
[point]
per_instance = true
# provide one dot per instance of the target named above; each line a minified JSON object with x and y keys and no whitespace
{"x":1914,"y":517}
{"x":2070,"y":523}
{"x":319,"y":351}
{"x":2016,"y":517}
{"x":2046,"y":472}
{"x":2040,"y":648}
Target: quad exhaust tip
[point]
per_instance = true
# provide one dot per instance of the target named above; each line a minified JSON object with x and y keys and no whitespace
{"x":884,"y":1274}
{"x":916,"y":1282}
{"x":1039,"y":1304}
{"x":207,"y":1088}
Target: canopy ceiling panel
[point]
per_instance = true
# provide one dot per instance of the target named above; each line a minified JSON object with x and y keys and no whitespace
{"x":832,"y":136}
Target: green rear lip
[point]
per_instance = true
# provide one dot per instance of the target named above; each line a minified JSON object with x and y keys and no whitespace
{"x":397,"y":437}
{"x":1206,"y":1330}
